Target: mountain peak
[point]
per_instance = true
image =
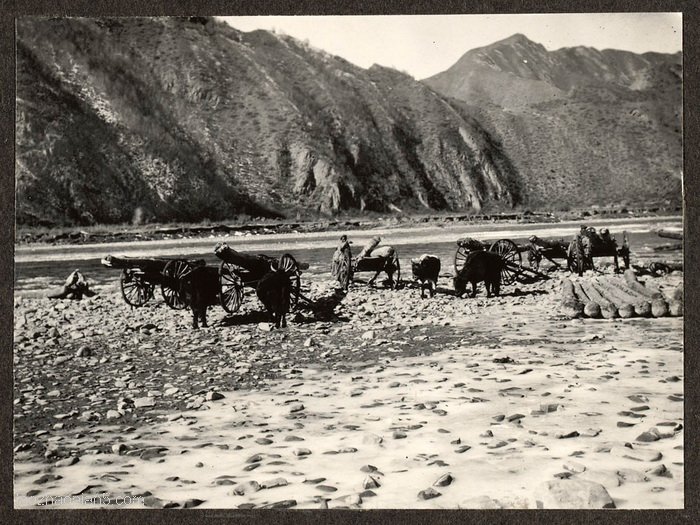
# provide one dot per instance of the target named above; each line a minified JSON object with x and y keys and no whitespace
{"x":517,"y":45}
{"x":517,"y":38}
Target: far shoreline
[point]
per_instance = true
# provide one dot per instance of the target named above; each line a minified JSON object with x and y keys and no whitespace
{"x":398,"y":235}
{"x":246,"y":227}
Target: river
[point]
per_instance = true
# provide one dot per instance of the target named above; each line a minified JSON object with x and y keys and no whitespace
{"x":38,"y":267}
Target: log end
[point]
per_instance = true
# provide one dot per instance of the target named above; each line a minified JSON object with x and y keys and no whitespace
{"x":609,"y":311}
{"x":675,"y":308}
{"x":659,"y":308}
{"x":592,"y":310}
{"x":572,"y":308}
{"x":643,"y":309}
{"x":626,"y":311}
{"x":677,"y":293}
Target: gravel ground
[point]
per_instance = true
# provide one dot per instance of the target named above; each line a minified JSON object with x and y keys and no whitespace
{"x":87,"y":371}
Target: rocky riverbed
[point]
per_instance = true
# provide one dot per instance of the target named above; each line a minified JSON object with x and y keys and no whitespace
{"x":378,"y":400}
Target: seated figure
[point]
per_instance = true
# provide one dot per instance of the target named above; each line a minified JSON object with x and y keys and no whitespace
{"x":74,"y":288}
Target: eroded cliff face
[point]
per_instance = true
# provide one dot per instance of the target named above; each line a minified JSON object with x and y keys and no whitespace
{"x":317,"y":179}
{"x":190,"y":119}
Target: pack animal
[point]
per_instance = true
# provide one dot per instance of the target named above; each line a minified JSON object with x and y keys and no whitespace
{"x":274,"y":290}
{"x":199,"y":289}
{"x":480,"y":266}
{"x":426,"y":270}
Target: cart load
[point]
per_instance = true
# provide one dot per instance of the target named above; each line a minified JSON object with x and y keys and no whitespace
{"x":510,"y":253}
{"x":589,"y":244}
{"x":378,"y":259}
{"x":372,"y":258}
{"x":141,"y":275}
{"x":238,"y":271}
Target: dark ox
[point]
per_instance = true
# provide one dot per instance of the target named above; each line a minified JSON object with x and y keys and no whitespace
{"x":426,"y":270}
{"x":200,"y":289}
{"x":480,"y":266}
{"x":274,"y":290}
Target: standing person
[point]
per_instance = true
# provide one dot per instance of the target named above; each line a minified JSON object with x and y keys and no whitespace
{"x":342,"y":253}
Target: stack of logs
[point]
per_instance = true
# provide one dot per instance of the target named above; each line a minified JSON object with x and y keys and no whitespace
{"x":615,"y":297}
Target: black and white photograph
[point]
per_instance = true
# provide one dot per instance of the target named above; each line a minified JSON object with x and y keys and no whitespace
{"x":349,"y":262}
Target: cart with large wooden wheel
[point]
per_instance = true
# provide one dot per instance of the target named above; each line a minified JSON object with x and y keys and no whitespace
{"x":588,"y":245}
{"x":141,"y":275}
{"x":238,"y":271}
{"x":512,"y":271}
{"x":371,"y":259}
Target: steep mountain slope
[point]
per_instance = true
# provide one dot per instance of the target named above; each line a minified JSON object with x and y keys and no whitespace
{"x":189,"y":119}
{"x":582,"y":126}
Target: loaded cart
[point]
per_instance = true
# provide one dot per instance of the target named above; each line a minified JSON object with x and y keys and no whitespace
{"x":141,"y":275}
{"x":580,"y":251}
{"x":589,"y":244}
{"x":371,"y":259}
{"x":510,"y":252}
{"x":240,"y":270}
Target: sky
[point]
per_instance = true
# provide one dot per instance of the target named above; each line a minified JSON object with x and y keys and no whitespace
{"x":423,"y":45}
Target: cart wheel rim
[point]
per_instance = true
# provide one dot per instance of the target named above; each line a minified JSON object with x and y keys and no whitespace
{"x":460,"y":258}
{"x":508,"y":276}
{"x":510,"y":254}
{"x":231,"y":287}
{"x":295,"y":282}
{"x":508,"y":250}
{"x":172,"y":273}
{"x":135,"y":291}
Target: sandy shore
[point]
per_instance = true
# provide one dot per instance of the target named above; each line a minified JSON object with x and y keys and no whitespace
{"x":392,"y":402}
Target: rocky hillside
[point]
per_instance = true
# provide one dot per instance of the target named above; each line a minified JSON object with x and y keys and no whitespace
{"x":189,"y":119}
{"x":581,"y":126}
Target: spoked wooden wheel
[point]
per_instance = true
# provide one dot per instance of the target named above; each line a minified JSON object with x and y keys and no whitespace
{"x":460,"y":258}
{"x":510,"y":254}
{"x":397,"y":273}
{"x":534,"y":257}
{"x":135,"y":290}
{"x":231,"y":287}
{"x":170,"y":287}
{"x":295,"y":281}
{"x":288,"y":264}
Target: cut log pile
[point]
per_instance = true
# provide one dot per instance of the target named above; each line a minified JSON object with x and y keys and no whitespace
{"x":611,"y":297}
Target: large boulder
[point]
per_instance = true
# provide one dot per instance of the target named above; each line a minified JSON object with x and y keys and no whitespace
{"x":572,"y":494}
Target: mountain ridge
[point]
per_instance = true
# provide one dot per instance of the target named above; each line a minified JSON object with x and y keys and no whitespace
{"x":582,"y":126}
{"x":189,"y":119}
